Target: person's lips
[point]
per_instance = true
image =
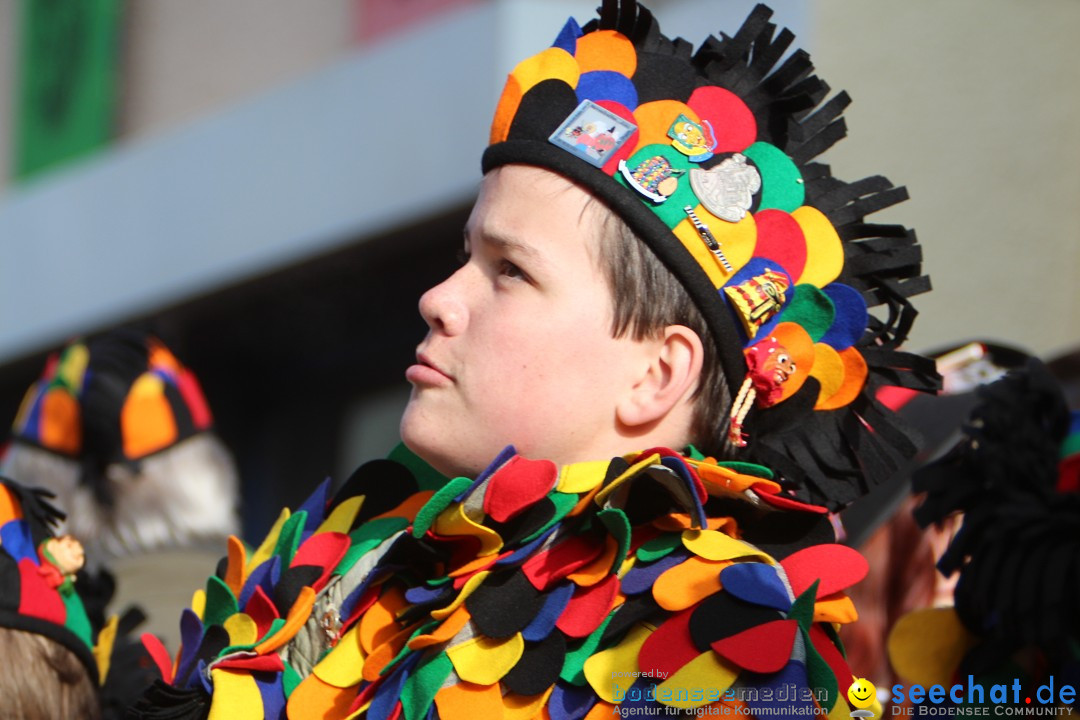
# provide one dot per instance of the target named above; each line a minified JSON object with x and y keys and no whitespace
{"x":427,"y":372}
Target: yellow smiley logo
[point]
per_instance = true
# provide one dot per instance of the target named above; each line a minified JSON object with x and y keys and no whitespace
{"x":862,"y":693}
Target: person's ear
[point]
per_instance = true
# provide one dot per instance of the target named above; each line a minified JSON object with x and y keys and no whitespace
{"x":669,"y":377}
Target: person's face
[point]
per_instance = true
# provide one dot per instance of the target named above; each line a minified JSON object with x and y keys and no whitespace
{"x":520,"y":349}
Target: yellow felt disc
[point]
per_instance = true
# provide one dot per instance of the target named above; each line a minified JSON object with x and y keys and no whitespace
{"x":712,"y":545}
{"x":581,"y":477}
{"x":485,"y":660}
{"x":855,"y":372}
{"x":601,"y":668}
{"x":466,"y":590}
{"x":198,"y":603}
{"x":236,"y":696}
{"x":453,"y":521}
{"x":270,"y":542}
{"x":630,"y":472}
{"x":824,"y":251}
{"x":828,"y":369}
{"x":242,"y":629}
{"x":343,"y":665}
{"x":926,"y":646}
{"x":707,"y":673}
{"x":104,"y":647}
{"x":606,"y":50}
{"x":342,"y":517}
{"x":736,"y":239}
{"x":551,"y":64}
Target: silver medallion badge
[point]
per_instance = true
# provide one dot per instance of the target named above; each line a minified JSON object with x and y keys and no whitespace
{"x":727,"y":190}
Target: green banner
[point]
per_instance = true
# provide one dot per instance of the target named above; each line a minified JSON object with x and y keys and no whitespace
{"x":67,"y":87}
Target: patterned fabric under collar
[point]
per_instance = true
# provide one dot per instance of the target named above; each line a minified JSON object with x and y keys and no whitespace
{"x":649,"y":581}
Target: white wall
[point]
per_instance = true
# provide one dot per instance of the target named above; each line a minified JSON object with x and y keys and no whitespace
{"x":975,"y":106}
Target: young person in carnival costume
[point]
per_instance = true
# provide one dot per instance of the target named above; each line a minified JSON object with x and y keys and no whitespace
{"x":56,"y":661}
{"x":655,"y":261}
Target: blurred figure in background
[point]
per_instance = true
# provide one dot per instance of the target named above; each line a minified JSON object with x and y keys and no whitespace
{"x":56,"y":661}
{"x":120,"y":431}
{"x":1014,"y":480}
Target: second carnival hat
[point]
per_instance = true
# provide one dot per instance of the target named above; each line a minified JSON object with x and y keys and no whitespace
{"x":39,"y":594}
{"x":708,"y":156}
{"x":115,"y":398}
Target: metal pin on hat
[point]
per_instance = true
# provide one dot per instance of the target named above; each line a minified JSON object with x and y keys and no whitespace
{"x":708,"y":237}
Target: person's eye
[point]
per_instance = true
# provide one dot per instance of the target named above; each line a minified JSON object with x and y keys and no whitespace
{"x":510,"y":270}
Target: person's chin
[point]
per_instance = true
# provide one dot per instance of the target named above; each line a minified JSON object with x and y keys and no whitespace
{"x":426,"y":439}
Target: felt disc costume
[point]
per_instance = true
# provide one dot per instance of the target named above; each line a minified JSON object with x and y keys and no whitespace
{"x":654,"y":580}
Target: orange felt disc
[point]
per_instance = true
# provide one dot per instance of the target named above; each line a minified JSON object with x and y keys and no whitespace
{"x":654,"y":119}
{"x":606,"y":50}
{"x":800,"y":349}
{"x":855,"y":372}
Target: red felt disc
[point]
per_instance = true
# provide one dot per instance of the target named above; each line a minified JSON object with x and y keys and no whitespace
{"x":627,"y":148}
{"x":732,"y":122}
{"x":669,"y":647}
{"x":262,"y":610}
{"x":588,"y":607}
{"x":836,"y":566}
{"x":768,"y":494}
{"x":574,"y":553}
{"x":761,"y":649}
{"x":324,"y":550}
{"x":157,"y":652}
{"x":779,"y":238}
{"x":518,"y":484}
{"x":832,"y":657}
{"x":36,"y":598}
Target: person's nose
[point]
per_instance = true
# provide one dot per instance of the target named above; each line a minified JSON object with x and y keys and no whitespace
{"x":443,"y":306}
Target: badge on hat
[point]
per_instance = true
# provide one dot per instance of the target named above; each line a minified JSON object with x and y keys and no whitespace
{"x":695,"y":141}
{"x":593,"y":133}
{"x":653,"y":177}
{"x":727,"y":190}
{"x":759,"y":299}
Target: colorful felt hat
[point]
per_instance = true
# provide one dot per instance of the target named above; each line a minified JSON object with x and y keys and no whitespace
{"x":709,"y":157}
{"x":116,"y":398}
{"x":37,"y":592}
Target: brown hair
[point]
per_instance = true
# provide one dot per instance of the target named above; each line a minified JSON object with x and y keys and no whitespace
{"x":648,"y":298}
{"x":40,"y":679}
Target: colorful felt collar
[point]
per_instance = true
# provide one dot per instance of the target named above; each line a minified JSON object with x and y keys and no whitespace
{"x":530,"y":586}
